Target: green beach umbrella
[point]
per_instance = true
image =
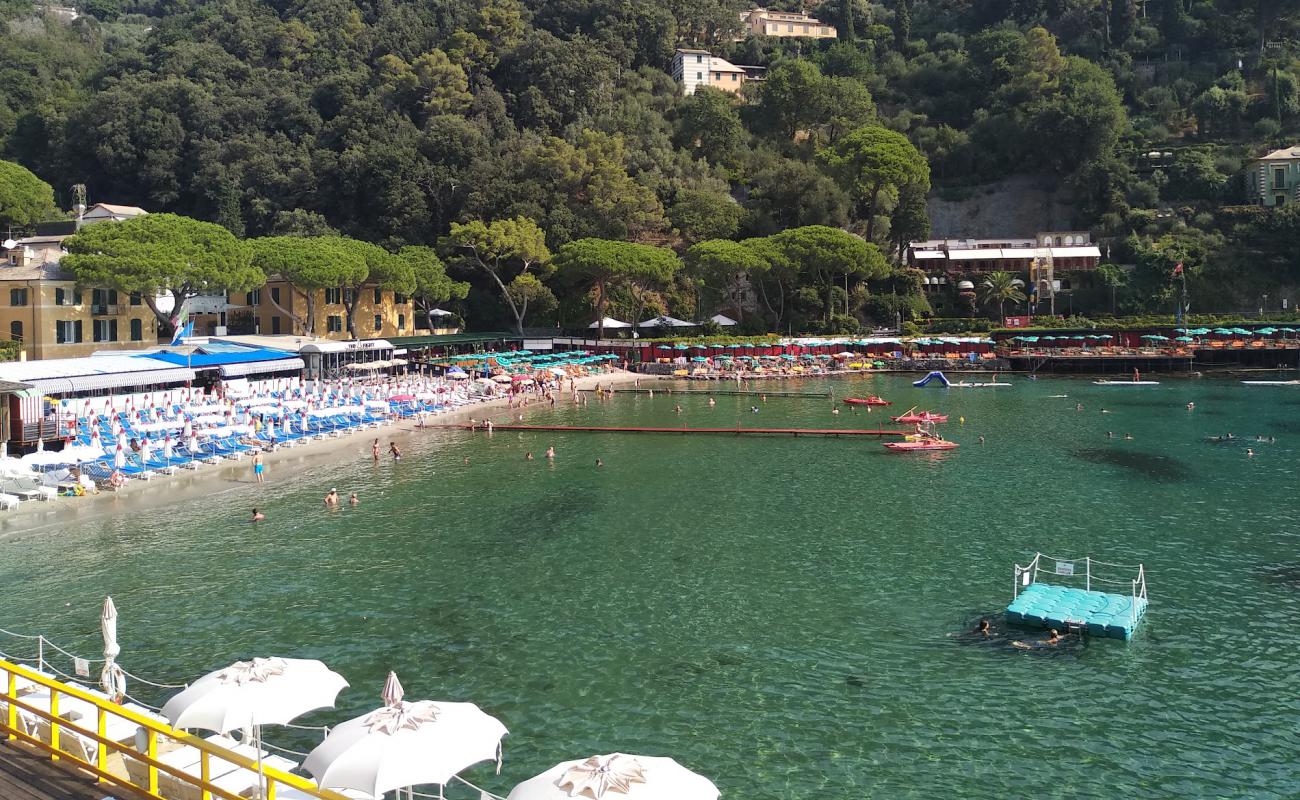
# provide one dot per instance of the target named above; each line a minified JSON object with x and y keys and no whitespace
{"x":1184,"y":339}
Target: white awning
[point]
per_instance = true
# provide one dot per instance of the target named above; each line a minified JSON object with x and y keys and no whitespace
{"x":665,"y":322}
{"x":928,"y":255}
{"x":977,"y":254}
{"x":114,"y":380}
{"x":1076,"y":252}
{"x":258,"y":367}
{"x":610,"y":322}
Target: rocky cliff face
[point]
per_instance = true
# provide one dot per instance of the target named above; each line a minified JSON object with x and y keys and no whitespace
{"x":1018,"y":206}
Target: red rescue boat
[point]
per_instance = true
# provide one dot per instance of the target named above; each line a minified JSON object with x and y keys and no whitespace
{"x":869,"y":400}
{"x":924,"y":416}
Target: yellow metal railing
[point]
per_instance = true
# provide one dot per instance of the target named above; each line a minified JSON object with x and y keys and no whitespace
{"x":139,"y":770}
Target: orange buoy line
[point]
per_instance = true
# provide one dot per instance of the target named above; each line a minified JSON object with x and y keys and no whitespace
{"x":638,"y":429}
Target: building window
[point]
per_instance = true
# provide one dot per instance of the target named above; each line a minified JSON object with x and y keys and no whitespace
{"x":17,"y":297}
{"x":699,"y":76}
{"x":255,"y":297}
{"x":1279,"y":177}
{"x":275,"y":295}
{"x":137,"y":330}
{"x":699,"y":59}
{"x":335,"y":323}
{"x":103,"y":301}
{"x":104,"y":330}
{"x":379,"y":296}
{"x":333,"y":297}
{"x":135,"y":298}
{"x":733,"y":77}
{"x":401,"y":322}
{"x":16,"y":330}
{"x":400,"y":299}
{"x":67,"y":331}
{"x":1280,"y":200}
{"x":275,"y":324}
{"x":379,"y":322}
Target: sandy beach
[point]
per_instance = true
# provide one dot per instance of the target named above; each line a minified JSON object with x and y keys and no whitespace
{"x":139,"y":496}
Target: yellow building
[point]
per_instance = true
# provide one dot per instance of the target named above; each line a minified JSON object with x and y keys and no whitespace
{"x":380,"y":313}
{"x":762,"y":22}
{"x":41,"y":306}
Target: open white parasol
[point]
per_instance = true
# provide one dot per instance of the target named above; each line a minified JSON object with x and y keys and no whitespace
{"x":250,"y":694}
{"x":617,"y":776}
{"x":405,"y":744}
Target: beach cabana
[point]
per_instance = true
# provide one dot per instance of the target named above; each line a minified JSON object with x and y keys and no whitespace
{"x":609,"y":322}
{"x":722,"y":321}
{"x":665,"y":321}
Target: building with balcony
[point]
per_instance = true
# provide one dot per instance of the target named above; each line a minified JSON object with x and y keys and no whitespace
{"x":277,"y":307}
{"x":785,"y":24}
{"x":1061,"y":250}
{"x":1274,"y":180}
{"x":695,"y":68}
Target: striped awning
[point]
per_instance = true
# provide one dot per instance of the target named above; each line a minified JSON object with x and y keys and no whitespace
{"x":109,"y":380}
{"x":259,"y":367}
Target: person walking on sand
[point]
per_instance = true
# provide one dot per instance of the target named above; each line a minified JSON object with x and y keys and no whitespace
{"x":258,"y":468}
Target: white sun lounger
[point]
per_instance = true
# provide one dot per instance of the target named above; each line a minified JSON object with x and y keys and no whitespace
{"x":8,"y":502}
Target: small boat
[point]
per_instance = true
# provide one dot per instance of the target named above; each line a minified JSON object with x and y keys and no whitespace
{"x":1125,"y":383}
{"x":869,"y":400}
{"x":925,"y":416}
{"x":920,"y":445}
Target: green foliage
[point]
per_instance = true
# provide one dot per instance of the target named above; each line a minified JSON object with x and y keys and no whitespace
{"x":432,"y":284}
{"x":999,"y":288}
{"x":502,"y":250}
{"x":159,"y":253}
{"x":603,"y":264}
{"x":698,"y":215}
{"x":873,"y":164}
{"x":307,"y":265}
{"x":24,"y":198}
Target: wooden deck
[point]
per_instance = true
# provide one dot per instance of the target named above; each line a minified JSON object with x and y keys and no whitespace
{"x":680,"y":431}
{"x":26,"y":775}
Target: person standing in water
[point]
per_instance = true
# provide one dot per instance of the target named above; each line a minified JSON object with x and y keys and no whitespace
{"x":395,"y":451}
{"x":374,"y":448}
{"x":550,"y":453}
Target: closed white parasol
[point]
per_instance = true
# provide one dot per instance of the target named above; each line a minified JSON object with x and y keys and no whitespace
{"x":405,"y":744}
{"x":112,"y":677}
{"x":617,"y":776}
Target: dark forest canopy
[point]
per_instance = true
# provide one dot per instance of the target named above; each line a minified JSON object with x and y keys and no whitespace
{"x":390,"y":121}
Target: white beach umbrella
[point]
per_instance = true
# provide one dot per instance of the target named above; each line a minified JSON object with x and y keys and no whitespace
{"x":250,"y":694}
{"x":4,"y":449}
{"x":40,"y":445}
{"x":168,"y":449}
{"x":146,"y":449}
{"x":112,"y":678}
{"x":119,"y":458}
{"x":405,"y":744}
{"x":194,"y":443}
{"x":617,"y":777}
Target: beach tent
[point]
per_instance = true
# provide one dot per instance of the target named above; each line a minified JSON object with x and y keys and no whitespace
{"x":723,"y":321}
{"x":663,"y":321}
{"x":610,"y":322}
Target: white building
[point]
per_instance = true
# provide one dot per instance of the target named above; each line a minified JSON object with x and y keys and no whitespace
{"x":695,"y":68}
{"x":762,"y":22}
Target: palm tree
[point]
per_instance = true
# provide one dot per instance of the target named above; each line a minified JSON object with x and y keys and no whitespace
{"x":1000,"y":288}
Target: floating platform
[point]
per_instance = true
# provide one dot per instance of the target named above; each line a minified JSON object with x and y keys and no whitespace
{"x":1045,"y":605}
{"x":1039,"y":604}
{"x":725,"y":431}
{"x":718,"y":392}
{"x":1125,"y":383}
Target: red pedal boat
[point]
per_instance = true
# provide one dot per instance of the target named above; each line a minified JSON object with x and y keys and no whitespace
{"x":870,"y":400}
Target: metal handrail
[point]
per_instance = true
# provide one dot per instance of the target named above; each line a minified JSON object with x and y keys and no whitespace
{"x":153,"y":728}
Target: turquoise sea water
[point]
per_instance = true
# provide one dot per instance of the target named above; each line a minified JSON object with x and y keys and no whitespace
{"x":780,"y":614}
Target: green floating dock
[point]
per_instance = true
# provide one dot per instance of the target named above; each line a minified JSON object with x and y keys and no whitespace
{"x":1039,"y":604}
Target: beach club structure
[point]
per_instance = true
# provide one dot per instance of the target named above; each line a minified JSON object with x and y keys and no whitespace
{"x":69,"y":734}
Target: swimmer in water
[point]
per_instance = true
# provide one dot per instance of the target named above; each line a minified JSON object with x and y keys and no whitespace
{"x":753,"y":409}
{"x":981,"y":440}
{"x":1078,"y":406}
{"x":835,"y":411}
{"x":258,"y":516}
{"x":1128,"y":436}
{"x":550,"y":453}
{"x":1110,"y":434}
{"x":528,"y":456}
{"x":983,"y":628}
{"x":712,"y":402}
{"x":1250,"y":453}
{"x":600,"y":463}
{"x":1190,"y":406}
{"x":678,"y":409}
